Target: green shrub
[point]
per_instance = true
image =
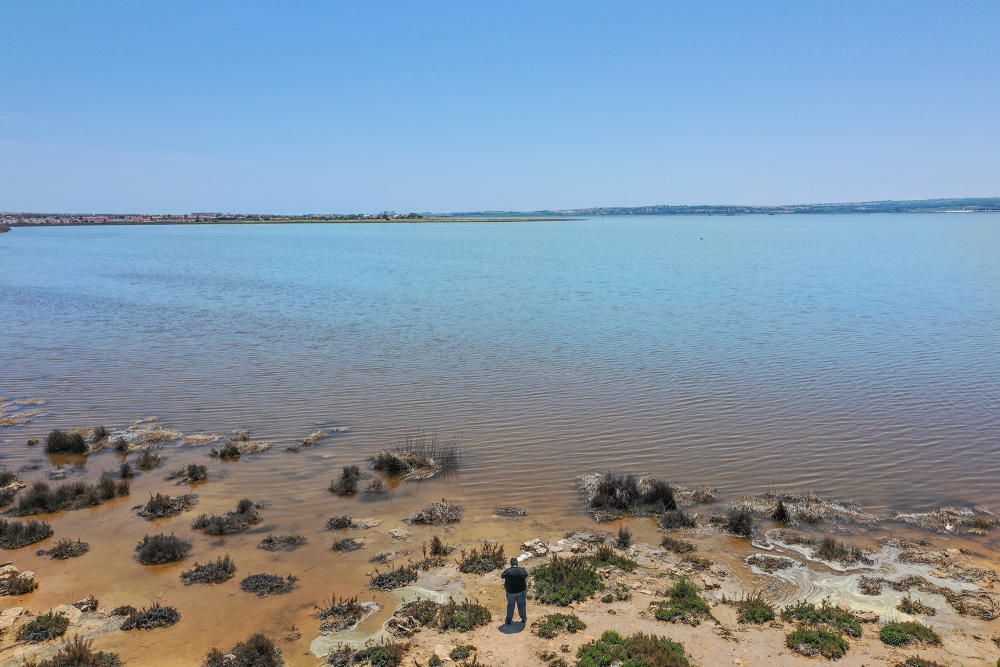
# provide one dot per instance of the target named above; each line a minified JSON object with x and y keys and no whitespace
{"x":152,"y":617}
{"x":809,"y":640}
{"x":462,"y":616}
{"x":563,"y":581}
{"x":754,"y":609}
{"x":462,"y":651}
{"x":386,"y":654}
{"x":826,"y":614}
{"x":914,"y":661}
{"x":257,"y":651}
{"x":43,"y":627}
{"x":66,"y":548}
{"x":624,"y":540}
{"x":555,"y":624}
{"x":908,"y":632}
{"x":347,"y":484}
{"x":639,"y":650}
{"x":161,"y":548}
{"x":676,"y":546}
{"x":674,"y":519}
{"x":60,"y":442}
{"x":488,"y":557}
{"x":740,"y":523}
{"x":605,"y":556}
{"x":16,"y":534}
{"x":214,"y":572}
{"x":392,"y":579}
{"x":243,"y":517}
{"x":78,"y":652}
{"x":684,"y":603}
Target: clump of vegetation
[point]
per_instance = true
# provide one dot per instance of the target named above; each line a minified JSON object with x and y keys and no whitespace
{"x":624,"y":540}
{"x":43,"y":627}
{"x":98,"y":434}
{"x":563,"y":581}
{"x":376,"y":488}
{"x":148,"y":460}
{"x":382,"y":654}
{"x":605,"y":556}
{"x":676,"y":546}
{"x":418,"y":456}
{"x":838,"y":618}
{"x":245,"y":515}
{"x":754,"y":608}
{"x":781,"y":514}
{"x":268,"y":584}
{"x":257,"y":651}
{"x":832,"y":550}
{"x":817,"y":640}
{"x":461,"y":652}
{"x":915,"y":607}
{"x":463,"y":616}
{"x":152,"y":617}
{"x":483,"y":559}
{"x":123,"y":610}
{"x":397,"y":577}
{"x":439,"y":548}
{"x":908,"y":632}
{"x":915,"y":661}
{"x":281,"y":542}
{"x":619,"y":592}
{"x":348,"y":544}
{"x":61,"y":442}
{"x":676,"y":519}
{"x":438,"y":514}
{"x":555,"y":624}
{"x":340,"y":614}
{"x":683,"y":603}
{"x":639,"y":649}
{"x":617,"y":495}
{"x":41,"y":498}
{"x":214,"y":572}
{"x":191,"y":473}
{"x":88,"y":603}
{"x":230,"y":451}
{"x":770,"y":564}
{"x":66,"y":548}
{"x":159,"y":506}
{"x":7,"y":477}
{"x":740,"y":522}
{"x":338,"y":522}
{"x":16,"y":534}
{"x":125,"y":470}
{"x":347,"y":484}
{"x":159,"y":549}
{"x":78,"y":652}
{"x":17,"y":583}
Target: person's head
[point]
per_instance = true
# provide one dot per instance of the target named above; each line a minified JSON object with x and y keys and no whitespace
{"x":513,"y":562}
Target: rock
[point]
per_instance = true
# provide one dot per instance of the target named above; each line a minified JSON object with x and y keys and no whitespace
{"x":8,"y":617}
{"x":58,"y":473}
{"x":866,"y":616}
{"x":510,"y":511}
{"x":535,"y":547}
{"x":366,"y":523}
{"x":70,"y":611}
{"x":399,"y":533}
{"x":442,"y":651}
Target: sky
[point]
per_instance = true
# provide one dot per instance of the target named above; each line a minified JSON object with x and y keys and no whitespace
{"x":319,"y":107}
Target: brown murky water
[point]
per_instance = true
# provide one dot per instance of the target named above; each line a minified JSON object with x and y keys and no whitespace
{"x":857,"y":356}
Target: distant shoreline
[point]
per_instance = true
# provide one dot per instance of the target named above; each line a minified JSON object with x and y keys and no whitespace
{"x":281,"y":221}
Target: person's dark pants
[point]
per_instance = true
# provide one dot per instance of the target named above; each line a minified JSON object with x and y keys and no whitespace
{"x":519,"y":599}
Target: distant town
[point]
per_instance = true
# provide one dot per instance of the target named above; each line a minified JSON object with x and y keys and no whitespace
{"x":956,"y":205}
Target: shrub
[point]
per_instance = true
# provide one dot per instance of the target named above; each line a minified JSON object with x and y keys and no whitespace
{"x":914,"y":661}
{"x":148,"y":460}
{"x":554,"y":624}
{"x":439,"y":548}
{"x":419,"y":455}
{"x":281,"y":542}
{"x":832,"y":550}
{"x":66,"y":548}
{"x":563,"y":581}
{"x":99,"y":433}
{"x":676,"y":546}
{"x":43,"y":627}
{"x":152,"y":617}
{"x":619,"y":593}
{"x":754,"y":609}
{"x":16,"y":534}
{"x":684,"y":603}
{"x":125,"y":470}
{"x":394,"y":578}
{"x":674,"y":519}
{"x":385,"y":654}
{"x":463,"y":616}
{"x":159,"y":506}
{"x":257,"y":651}
{"x":348,"y":544}
{"x":826,"y":614}
{"x":214,"y":572}
{"x":462,"y":651}
{"x":17,"y":583}
{"x":236,"y":521}
{"x":619,"y":494}
{"x":347,"y":485}
{"x":483,"y":559}
{"x":192,"y":472}
{"x":41,"y":498}
{"x":60,"y":442}
{"x":230,"y":451}
{"x":123,"y":610}
{"x":376,"y":488}
{"x":915,"y":607}
{"x":781,"y":514}
{"x":161,"y":548}
{"x":7,"y":477}
{"x":624,"y":540}
{"x":78,"y":652}
{"x":605,"y":556}
{"x":908,"y":632}
{"x":340,"y":614}
{"x":639,"y":649}
{"x":809,"y":640}
{"x":268,"y":584}
{"x":338,"y":522}
{"x":740,"y":522}
{"x":438,"y":514}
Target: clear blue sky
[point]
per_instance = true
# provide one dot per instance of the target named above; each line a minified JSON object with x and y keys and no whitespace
{"x":432,"y":106}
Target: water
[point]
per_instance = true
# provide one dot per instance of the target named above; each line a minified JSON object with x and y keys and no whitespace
{"x":855,"y":355}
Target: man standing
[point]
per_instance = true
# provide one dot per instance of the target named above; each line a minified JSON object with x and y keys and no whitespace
{"x":515,"y":583}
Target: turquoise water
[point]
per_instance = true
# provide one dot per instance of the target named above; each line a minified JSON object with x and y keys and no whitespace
{"x":853,"y":355}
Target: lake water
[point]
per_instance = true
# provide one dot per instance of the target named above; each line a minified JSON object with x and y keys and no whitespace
{"x":858,"y":356}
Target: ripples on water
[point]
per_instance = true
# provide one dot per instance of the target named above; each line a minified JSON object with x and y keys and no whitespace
{"x":853,"y":355}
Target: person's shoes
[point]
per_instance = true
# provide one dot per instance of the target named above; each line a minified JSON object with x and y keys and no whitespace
{"x":524,"y":621}
{"x":509,"y":621}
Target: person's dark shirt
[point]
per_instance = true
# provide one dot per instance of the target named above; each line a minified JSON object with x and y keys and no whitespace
{"x":515,"y":579}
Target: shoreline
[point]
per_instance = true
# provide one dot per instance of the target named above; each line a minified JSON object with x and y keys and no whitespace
{"x":334,"y":221}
